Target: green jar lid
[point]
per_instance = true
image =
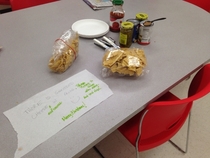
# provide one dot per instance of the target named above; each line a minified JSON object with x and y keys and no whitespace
{"x":127,"y":25}
{"x":141,"y":16}
{"x":117,"y":2}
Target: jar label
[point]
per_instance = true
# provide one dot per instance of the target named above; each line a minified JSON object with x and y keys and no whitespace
{"x":123,"y":39}
{"x":115,"y":23}
{"x":144,"y":34}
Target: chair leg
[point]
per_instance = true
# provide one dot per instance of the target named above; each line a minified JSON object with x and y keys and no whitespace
{"x":96,"y":149}
{"x":137,"y":153}
{"x":187,"y":139}
{"x":139,"y":133}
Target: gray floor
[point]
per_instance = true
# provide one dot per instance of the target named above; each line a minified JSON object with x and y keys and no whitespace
{"x":116,"y":146}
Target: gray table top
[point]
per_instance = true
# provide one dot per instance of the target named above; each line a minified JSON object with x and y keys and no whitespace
{"x":179,"y":46}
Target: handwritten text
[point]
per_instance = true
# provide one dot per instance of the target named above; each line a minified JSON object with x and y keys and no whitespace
{"x":72,"y":112}
{"x":52,"y":109}
{"x":90,"y":88}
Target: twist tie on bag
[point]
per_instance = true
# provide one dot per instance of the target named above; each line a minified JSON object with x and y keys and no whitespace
{"x":59,"y":39}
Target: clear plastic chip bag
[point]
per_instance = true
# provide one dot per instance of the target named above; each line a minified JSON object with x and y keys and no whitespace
{"x":123,"y":62}
{"x":65,"y":51}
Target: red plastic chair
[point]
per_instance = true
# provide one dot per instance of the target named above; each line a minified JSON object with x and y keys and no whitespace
{"x":21,"y":4}
{"x":4,"y":2}
{"x":204,"y":4}
{"x":162,"y":119}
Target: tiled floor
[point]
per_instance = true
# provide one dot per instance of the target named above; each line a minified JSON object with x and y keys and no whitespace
{"x":116,"y":146}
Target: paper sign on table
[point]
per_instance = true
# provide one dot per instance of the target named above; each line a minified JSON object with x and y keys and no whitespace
{"x":46,"y":113}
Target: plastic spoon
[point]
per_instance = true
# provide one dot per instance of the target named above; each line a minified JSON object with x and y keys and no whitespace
{"x":149,"y":23}
{"x":157,"y":19}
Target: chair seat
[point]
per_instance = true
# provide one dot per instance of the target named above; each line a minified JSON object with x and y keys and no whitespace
{"x":204,"y":4}
{"x":21,"y":4}
{"x":152,"y":137}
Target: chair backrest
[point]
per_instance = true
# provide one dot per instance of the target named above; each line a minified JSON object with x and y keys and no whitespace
{"x":4,"y":2}
{"x":204,"y":4}
{"x":21,"y":4}
{"x":166,"y":116}
{"x":200,"y":83}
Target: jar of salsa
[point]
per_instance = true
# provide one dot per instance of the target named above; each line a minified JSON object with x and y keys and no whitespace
{"x":117,"y":14}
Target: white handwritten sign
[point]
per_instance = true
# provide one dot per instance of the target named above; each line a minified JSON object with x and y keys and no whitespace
{"x":46,"y":113}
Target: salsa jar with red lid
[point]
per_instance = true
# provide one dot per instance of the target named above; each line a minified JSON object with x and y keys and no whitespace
{"x":117,"y":14}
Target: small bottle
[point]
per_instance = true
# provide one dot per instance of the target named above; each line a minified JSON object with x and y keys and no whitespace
{"x":126,"y":34}
{"x":117,"y":14}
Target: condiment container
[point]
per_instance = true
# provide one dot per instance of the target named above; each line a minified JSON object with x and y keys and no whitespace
{"x":145,"y":31}
{"x":136,"y":24}
{"x":126,"y":33}
{"x":117,"y":14}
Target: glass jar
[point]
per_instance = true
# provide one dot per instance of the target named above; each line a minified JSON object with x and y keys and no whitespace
{"x":126,"y":34}
{"x":117,"y":14}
